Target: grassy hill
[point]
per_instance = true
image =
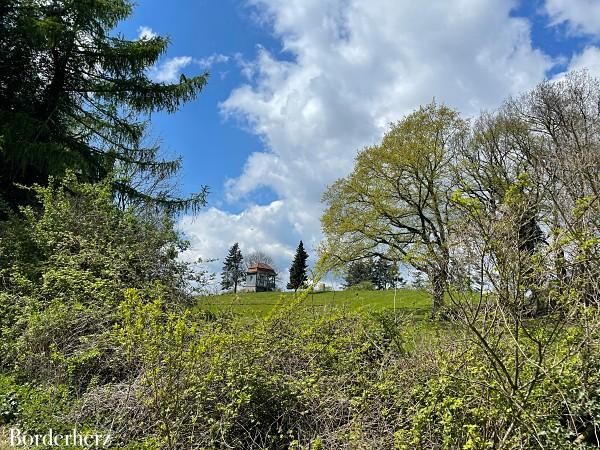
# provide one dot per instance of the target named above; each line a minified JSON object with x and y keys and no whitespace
{"x":416,"y":302}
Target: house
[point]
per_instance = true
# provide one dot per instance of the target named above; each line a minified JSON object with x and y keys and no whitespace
{"x":260,"y":277}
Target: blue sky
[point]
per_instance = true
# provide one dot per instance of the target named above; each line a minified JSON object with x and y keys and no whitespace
{"x":298,"y":86}
{"x":213,"y":149}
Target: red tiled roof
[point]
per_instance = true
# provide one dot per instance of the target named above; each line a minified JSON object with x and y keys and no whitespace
{"x":260,"y":266}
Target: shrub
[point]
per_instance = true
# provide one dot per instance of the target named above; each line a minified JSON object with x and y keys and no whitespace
{"x":64,"y":267}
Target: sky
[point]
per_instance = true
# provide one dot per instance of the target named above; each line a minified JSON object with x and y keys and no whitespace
{"x":297,"y":87}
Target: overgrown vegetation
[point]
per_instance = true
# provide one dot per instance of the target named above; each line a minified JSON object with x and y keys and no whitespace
{"x":101,"y":329}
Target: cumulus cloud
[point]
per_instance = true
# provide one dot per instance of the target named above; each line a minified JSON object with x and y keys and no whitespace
{"x":146,"y":33}
{"x":581,"y":16}
{"x":168,"y":71}
{"x":588,"y":59}
{"x":209,"y":61}
{"x":355,"y":67}
{"x":258,"y":228}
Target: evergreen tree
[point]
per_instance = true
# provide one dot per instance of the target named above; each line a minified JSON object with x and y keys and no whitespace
{"x":76,"y":95}
{"x":418,"y":281}
{"x":383,"y":274}
{"x":378,"y":271}
{"x":233,"y":269}
{"x":358,"y":272}
{"x":298,"y":269}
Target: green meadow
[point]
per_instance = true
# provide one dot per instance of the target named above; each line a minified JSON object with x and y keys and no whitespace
{"x":258,"y":304}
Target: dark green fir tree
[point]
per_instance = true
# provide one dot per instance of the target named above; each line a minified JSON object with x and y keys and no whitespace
{"x":358,"y":272}
{"x":383,"y":274}
{"x":298,"y":269}
{"x":233,"y":269}
{"x":75,"y":95}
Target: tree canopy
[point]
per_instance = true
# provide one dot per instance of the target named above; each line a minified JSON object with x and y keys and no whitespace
{"x":395,"y":202}
{"x":76,"y":95}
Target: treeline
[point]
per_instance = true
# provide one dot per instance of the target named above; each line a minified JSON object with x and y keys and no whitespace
{"x":505,"y":204}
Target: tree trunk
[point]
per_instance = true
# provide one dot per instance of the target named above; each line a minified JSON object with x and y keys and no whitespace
{"x":438,"y":280}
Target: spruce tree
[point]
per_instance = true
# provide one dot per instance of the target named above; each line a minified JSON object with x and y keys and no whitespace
{"x":298,"y":269}
{"x":233,"y":269}
{"x":358,"y":272}
{"x":383,"y":274}
{"x":75,"y":95}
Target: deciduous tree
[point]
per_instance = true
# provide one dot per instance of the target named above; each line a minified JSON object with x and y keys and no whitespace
{"x":396,"y":203}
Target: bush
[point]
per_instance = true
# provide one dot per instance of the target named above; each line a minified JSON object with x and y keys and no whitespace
{"x":35,"y":408}
{"x":65,"y":267}
{"x":341,"y":380}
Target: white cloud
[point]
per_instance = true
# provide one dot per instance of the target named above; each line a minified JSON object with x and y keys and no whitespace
{"x":356,"y":66}
{"x":258,"y":228}
{"x":581,"y":16}
{"x":588,"y":59}
{"x":146,"y":33}
{"x":169,"y":70}
{"x":209,"y":61}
